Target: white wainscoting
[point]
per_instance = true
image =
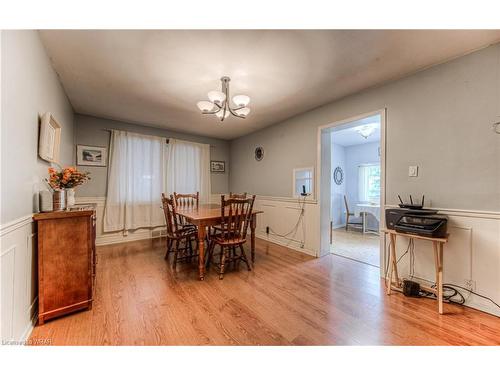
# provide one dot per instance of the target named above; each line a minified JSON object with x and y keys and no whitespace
{"x":19,"y":279}
{"x":106,"y":238}
{"x":281,"y":216}
{"x":472,"y":253}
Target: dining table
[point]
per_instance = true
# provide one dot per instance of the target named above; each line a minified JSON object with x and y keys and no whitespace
{"x":207,"y":215}
{"x":362,"y":209}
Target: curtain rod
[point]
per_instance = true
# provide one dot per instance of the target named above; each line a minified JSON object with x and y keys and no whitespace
{"x":110,"y":130}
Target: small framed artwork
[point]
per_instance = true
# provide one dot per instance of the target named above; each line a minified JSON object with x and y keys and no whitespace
{"x":50,"y":138}
{"x":217,"y":166}
{"x":95,"y":156}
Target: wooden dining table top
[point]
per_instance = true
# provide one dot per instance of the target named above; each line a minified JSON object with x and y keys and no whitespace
{"x":209,"y":211}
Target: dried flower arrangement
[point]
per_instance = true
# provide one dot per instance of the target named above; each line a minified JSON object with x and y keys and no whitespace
{"x":66,"y":178}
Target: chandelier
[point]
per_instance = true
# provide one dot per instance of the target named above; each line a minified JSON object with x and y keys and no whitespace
{"x":366,"y":130}
{"x":218,"y":103}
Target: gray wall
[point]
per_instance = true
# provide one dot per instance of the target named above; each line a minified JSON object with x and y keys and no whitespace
{"x":338,"y":191}
{"x":89,"y":131}
{"x":439,"y":119}
{"x":30,"y":87}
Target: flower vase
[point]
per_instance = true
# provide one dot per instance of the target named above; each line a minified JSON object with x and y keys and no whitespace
{"x":59,"y":200}
{"x":70,"y":197}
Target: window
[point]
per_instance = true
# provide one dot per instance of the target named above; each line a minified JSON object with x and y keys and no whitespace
{"x":141,"y":168}
{"x":369,"y":183}
{"x":135,"y":181}
{"x":303,"y":177}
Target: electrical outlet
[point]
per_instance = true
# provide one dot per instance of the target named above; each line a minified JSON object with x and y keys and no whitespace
{"x":470,"y":284}
{"x":413,"y":171}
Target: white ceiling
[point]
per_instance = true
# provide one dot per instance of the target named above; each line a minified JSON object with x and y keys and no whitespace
{"x":155,"y":77}
{"x":347,"y":135}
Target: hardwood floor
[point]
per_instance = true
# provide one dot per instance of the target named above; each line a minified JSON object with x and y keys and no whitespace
{"x":363,"y":247}
{"x":288,"y":299}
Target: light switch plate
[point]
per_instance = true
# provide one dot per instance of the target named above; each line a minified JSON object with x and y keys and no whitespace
{"x":413,"y":171}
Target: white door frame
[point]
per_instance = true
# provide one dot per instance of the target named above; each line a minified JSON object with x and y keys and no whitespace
{"x":383,"y":126}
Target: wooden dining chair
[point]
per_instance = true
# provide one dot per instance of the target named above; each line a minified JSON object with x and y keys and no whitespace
{"x":236,"y":214}
{"x":350,"y":219}
{"x":186,"y":201}
{"x":217,"y":228}
{"x":239,"y":196}
{"x":179,"y":238}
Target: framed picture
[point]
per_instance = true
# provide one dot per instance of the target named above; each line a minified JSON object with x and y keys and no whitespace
{"x":217,"y":166}
{"x":95,"y":156}
{"x":50,"y":138}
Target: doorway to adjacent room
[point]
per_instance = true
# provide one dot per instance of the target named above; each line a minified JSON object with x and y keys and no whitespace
{"x":356,"y":189}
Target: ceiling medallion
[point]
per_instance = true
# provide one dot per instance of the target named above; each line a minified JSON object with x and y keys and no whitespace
{"x":218,"y":103}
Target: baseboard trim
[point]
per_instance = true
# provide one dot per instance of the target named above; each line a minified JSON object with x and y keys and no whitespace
{"x":120,"y":238}
{"x":285,"y":243}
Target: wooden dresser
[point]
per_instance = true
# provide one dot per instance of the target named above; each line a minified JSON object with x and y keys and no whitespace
{"x":66,"y":261}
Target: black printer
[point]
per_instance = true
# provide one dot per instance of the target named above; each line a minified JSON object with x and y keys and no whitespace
{"x":414,"y":219}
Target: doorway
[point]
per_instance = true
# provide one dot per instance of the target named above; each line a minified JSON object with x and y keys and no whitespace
{"x":352,"y":187}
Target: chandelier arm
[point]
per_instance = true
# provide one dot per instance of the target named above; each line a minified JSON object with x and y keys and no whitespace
{"x":234,"y":113}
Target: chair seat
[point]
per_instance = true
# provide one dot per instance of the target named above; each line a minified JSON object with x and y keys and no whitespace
{"x":184,"y":232}
{"x":356,"y":220}
{"x":228,"y":241}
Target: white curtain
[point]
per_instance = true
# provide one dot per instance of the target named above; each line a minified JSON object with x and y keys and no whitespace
{"x":136,"y":179}
{"x":188,"y":168}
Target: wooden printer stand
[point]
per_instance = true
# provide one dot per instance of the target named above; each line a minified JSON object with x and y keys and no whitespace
{"x":437,"y":243}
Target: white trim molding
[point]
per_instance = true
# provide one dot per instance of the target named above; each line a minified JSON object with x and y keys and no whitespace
{"x":15,"y":224}
{"x":18,"y":287}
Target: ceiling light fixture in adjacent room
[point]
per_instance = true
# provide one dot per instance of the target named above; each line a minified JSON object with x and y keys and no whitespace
{"x":366,"y":130}
{"x":218,"y":103}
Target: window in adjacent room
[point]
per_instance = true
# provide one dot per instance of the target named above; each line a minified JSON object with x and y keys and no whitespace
{"x":369,"y":183}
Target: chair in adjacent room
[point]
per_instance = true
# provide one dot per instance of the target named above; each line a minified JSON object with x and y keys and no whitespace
{"x":350,"y":218}
{"x":236,"y":214}
{"x":179,"y":239}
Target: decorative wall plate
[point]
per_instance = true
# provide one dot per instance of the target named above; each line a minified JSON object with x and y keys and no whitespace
{"x":259,"y":153}
{"x":338,"y":175}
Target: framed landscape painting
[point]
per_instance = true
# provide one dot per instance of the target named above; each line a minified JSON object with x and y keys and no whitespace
{"x":95,"y":156}
{"x":217,"y":166}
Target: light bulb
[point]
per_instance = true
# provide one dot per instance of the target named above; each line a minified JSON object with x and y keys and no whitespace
{"x":220,"y":113}
{"x":241,"y":100}
{"x":217,"y":97}
{"x":205,"y":106}
{"x":243,"y":111}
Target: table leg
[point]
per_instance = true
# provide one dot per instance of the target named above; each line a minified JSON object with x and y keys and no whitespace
{"x":393,"y":267}
{"x":440,"y":279}
{"x":253,"y":225}
{"x":201,"y":249}
{"x":363,"y":214}
{"x":438,"y":259}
